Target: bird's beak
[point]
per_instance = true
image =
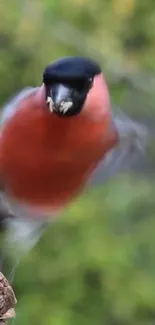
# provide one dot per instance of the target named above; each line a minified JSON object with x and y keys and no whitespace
{"x":59,"y":98}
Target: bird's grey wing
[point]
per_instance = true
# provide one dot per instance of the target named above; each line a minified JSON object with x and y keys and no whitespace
{"x":9,"y":108}
{"x":133,"y":142}
{"x":137,"y":101}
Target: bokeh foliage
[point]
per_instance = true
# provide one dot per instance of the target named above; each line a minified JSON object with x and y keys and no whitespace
{"x":96,"y":264}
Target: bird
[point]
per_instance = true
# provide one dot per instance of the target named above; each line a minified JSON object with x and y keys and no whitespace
{"x":58,"y":140}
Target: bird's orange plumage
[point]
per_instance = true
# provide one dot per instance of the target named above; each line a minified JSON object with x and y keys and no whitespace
{"x":45,"y":159}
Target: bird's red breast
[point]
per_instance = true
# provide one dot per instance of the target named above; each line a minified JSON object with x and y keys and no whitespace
{"x":44,"y":159}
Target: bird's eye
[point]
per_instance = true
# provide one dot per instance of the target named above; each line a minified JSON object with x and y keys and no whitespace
{"x":90,"y":80}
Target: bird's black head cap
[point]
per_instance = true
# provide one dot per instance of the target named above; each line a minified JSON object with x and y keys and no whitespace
{"x":67,"y":82}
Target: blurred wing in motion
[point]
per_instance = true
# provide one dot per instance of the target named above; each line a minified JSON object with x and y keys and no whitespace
{"x":132,"y":148}
{"x":10,"y":107}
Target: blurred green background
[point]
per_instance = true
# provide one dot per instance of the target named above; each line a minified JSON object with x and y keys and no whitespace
{"x":96,"y":264}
